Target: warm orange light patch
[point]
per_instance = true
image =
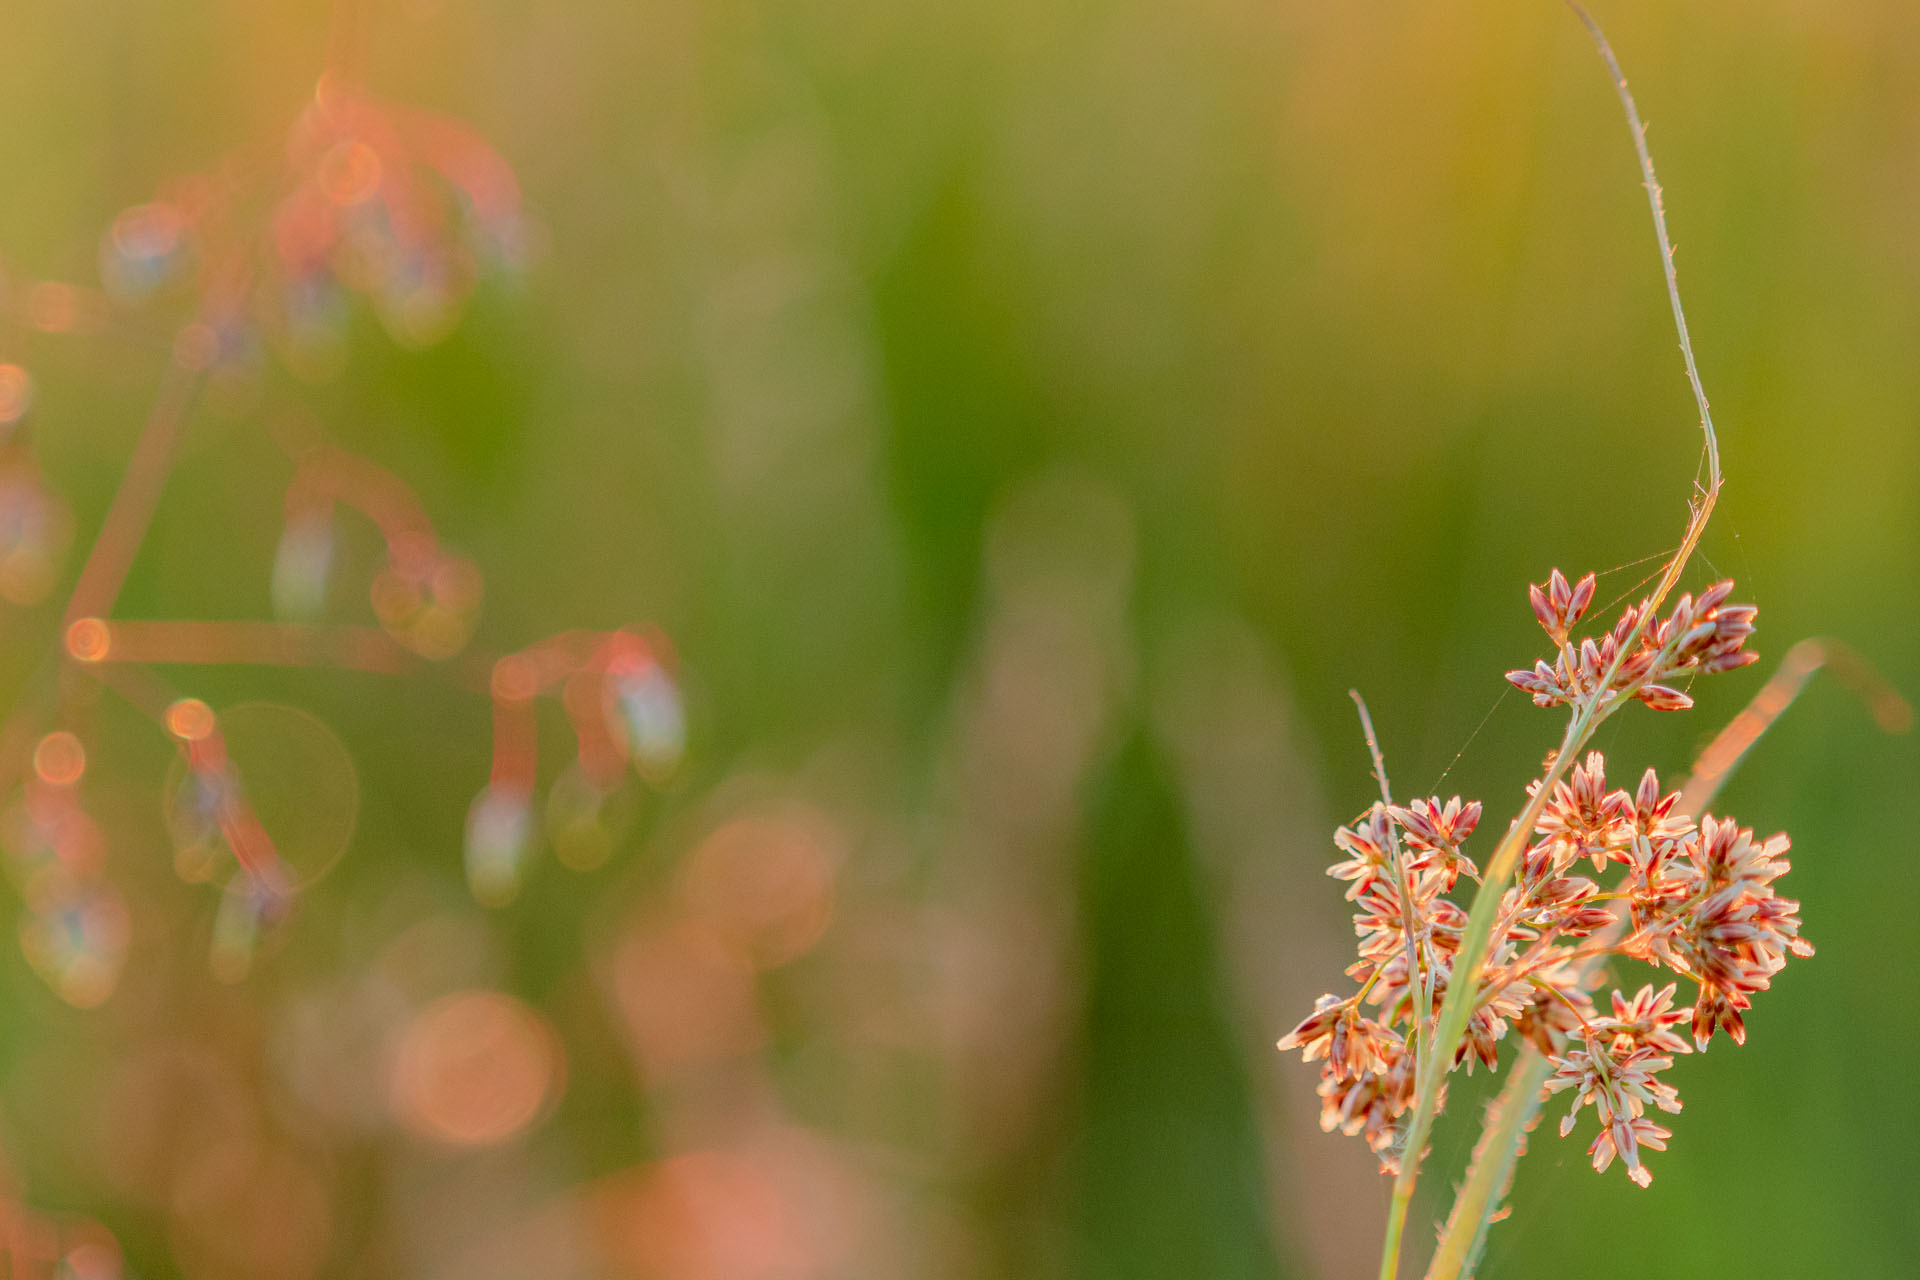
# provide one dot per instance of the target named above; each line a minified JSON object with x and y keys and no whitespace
{"x":59,"y":759}
{"x":765,"y":883}
{"x":197,"y":346}
{"x":190,"y":720}
{"x":457,"y":583}
{"x":53,"y":307}
{"x":88,"y":640}
{"x":350,"y":173}
{"x":16,"y":393}
{"x":515,"y":679}
{"x":475,"y":1069}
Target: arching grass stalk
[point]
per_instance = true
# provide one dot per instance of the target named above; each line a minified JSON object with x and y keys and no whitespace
{"x":1587,"y":714}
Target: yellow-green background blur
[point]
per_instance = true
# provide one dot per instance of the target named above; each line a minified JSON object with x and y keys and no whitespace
{"x":1028,"y":418}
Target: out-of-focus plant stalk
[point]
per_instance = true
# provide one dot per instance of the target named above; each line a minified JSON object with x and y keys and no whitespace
{"x":131,"y":511}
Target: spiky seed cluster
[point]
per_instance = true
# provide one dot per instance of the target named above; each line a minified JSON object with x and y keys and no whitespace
{"x":1695,"y":898}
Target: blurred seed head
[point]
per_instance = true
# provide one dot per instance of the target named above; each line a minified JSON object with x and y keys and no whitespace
{"x":143,"y":252}
{"x":34,"y":529}
{"x":585,"y":820}
{"x":77,"y":943}
{"x":499,"y":840}
{"x":650,"y":715}
{"x":303,"y":567}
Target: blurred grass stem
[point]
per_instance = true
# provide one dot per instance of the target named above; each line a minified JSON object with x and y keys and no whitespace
{"x":125,"y":527}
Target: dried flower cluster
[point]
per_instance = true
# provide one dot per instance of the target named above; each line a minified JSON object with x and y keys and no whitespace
{"x":409,"y":211}
{"x":403,"y":207}
{"x":1695,"y":898}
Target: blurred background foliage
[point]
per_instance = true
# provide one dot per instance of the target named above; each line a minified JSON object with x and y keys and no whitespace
{"x":1027,"y":420}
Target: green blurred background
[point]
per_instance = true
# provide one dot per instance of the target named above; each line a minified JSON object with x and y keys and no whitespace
{"x":1028,"y":420}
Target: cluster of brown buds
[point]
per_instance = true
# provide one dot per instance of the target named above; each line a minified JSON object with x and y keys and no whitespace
{"x":1695,"y":898}
{"x":409,"y":211}
{"x":1640,"y":657}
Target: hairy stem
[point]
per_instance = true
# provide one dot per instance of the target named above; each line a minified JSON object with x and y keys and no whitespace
{"x":1658,"y":208}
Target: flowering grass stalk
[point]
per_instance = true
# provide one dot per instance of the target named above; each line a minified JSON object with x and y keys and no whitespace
{"x":1591,"y":705}
{"x":1695,"y":897}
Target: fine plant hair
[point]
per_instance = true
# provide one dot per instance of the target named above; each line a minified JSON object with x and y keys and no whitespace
{"x":382,"y":206}
{"x":1441,"y":987}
